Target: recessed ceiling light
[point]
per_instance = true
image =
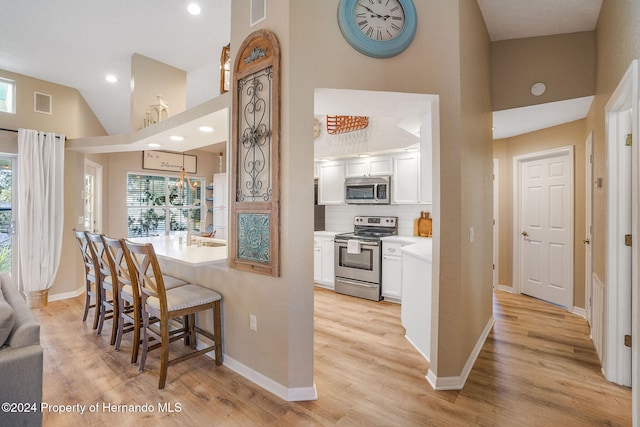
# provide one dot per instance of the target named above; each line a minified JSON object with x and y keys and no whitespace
{"x":363,"y":155}
{"x":154,"y":145}
{"x":176,"y":138}
{"x":193,"y":8}
{"x":205,"y":129}
{"x":111,"y":78}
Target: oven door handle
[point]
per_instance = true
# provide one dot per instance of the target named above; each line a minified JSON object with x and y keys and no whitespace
{"x":362,"y":243}
{"x":364,"y":285}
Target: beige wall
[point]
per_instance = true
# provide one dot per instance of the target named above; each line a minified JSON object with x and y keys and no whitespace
{"x":565,"y":63}
{"x":70,"y":113}
{"x":477,"y":190}
{"x":462,"y":161}
{"x":617,"y":44}
{"x":119,"y":165}
{"x":571,"y":134}
{"x":72,"y":117}
{"x":150,"y":78}
{"x":282,"y":349}
{"x":449,"y":57}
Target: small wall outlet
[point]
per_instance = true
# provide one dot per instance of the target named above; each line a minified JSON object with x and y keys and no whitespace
{"x":80,"y":220}
{"x":253,"y":322}
{"x":472,"y":234}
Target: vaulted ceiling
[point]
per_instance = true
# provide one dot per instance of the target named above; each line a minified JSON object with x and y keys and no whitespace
{"x":77,"y":43}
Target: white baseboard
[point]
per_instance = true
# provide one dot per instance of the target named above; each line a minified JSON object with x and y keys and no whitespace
{"x":580,"y":312}
{"x":417,"y":349}
{"x":295,"y":394}
{"x":66,"y":295}
{"x":504,"y":288}
{"x":329,"y":286}
{"x":457,"y":383}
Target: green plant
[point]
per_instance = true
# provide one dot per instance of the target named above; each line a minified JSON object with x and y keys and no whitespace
{"x":5,"y":258}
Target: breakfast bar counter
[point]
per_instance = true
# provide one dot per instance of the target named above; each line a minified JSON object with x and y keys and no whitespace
{"x":209,"y":252}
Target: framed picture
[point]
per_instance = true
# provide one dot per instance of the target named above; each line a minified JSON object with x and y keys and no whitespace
{"x":225,"y":69}
{"x":171,"y":162}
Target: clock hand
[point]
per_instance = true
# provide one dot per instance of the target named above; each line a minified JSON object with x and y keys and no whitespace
{"x":372,"y":12}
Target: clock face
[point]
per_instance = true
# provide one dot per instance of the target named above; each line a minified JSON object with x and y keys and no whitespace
{"x":379,"y":19}
{"x":378,"y":28}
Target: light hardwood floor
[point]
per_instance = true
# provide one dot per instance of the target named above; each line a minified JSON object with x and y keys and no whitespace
{"x":537,"y":368}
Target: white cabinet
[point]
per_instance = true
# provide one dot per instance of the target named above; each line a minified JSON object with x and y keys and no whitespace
{"x":369,"y":166}
{"x":317,"y":259}
{"x":429,"y":136}
{"x":391,"y":271}
{"x":405,"y":182}
{"x":416,"y":310}
{"x":220,"y":209}
{"x":323,"y":257}
{"x":404,"y":169}
{"x":331,"y":183}
{"x":328,"y":274}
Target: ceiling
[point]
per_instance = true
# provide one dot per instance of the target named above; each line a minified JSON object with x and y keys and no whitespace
{"x":517,"y":19}
{"x":86,"y":40}
{"x":77,"y":43}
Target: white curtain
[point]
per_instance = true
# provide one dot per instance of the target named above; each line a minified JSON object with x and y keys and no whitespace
{"x":40,"y":207}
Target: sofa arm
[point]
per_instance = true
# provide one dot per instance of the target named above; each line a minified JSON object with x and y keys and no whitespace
{"x":21,"y":382}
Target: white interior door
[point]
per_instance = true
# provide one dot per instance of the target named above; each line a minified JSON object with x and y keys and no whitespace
{"x":92,"y":196}
{"x":546,"y":219}
{"x":620,"y":363}
{"x":496,"y":206}
{"x":588,"y":261}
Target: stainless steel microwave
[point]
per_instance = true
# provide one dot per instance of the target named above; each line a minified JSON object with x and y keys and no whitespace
{"x":374,"y":190}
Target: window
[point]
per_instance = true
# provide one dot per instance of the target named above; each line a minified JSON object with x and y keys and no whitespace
{"x":159,"y":204}
{"x":7,"y":96}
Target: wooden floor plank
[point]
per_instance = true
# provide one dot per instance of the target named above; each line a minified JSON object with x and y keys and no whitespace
{"x":538,"y":367}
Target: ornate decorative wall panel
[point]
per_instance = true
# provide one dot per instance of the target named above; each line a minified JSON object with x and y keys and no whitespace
{"x":254,"y":217}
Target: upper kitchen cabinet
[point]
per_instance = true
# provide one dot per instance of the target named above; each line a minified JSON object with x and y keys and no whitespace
{"x":429,"y":137}
{"x":405,"y":182}
{"x":396,"y":122}
{"x":331,"y":183}
{"x":369,"y":166}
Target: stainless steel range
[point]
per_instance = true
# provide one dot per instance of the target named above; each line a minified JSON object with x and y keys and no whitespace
{"x":358,"y":256}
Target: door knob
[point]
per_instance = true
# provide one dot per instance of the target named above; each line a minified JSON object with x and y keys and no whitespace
{"x":524,"y":233}
{"x":586,"y":241}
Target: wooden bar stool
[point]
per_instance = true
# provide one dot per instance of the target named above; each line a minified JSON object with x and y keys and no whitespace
{"x":92,"y":287}
{"x":167,"y":304}
{"x":129,"y":318}
{"x":128,"y":291}
{"x":108,"y":306}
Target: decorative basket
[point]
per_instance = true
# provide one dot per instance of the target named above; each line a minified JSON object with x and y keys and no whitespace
{"x":344,"y":124}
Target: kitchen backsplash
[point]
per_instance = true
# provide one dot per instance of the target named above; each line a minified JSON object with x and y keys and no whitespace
{"x":340,"y":218}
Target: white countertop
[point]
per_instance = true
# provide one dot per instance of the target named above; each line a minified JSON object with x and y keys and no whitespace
{"x":328,"y":233}
{"x":405,"y":239}
{"x":422,"y":250}
{"x":169,"y":248}
{"x":419,"y":247}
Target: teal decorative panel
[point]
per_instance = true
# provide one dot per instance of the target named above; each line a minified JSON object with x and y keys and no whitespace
{"x":254,"y":237}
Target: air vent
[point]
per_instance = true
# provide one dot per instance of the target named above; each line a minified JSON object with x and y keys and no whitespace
{"x":258,"y":11}
{"x":42,"y":103}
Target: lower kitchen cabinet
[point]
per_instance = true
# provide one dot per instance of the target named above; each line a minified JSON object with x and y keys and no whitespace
{"x":323,"y":258}
{"x":317,"y":259}
{"x":391,"y":271}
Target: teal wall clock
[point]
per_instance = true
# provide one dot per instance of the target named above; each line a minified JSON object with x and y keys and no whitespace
{"x":378,"y":28}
